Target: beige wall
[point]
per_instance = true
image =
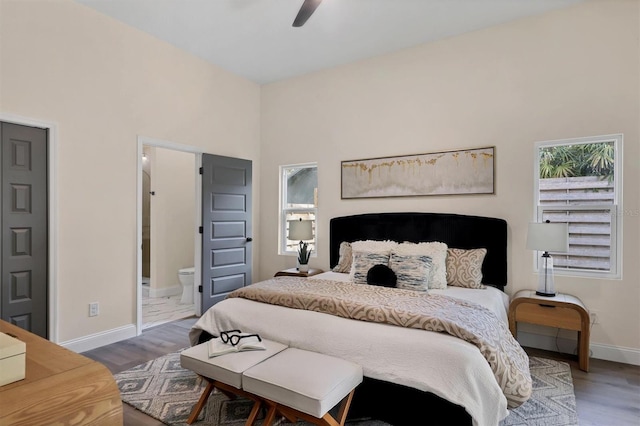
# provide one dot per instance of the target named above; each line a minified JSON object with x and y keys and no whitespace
{"x":173,"y":216}
{"x":569,"y":73}
{"x":104,"y":84}
{"x":566,"y":74}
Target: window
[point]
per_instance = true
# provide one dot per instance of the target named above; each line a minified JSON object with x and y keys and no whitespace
{"x":579,"y":182}
{"x":299,"y":196}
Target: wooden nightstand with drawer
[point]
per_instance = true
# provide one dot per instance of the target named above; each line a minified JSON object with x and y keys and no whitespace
{"x":561,"y":311}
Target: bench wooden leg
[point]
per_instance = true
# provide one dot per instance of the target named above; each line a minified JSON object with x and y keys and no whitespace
{"x":201,"y":402}
{"x":291,"y":414}
{"x":271,"y":414}
{"x":227,"y":390}
{"x":326,"y":420}
{"x":344,"y":408}
{"x":254,"y":413}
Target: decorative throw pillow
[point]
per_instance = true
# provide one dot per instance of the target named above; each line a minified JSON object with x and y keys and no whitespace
{"x":344,"y":263}
{"x":413,"y":270}
{"x":382,"y":275}
{"x":464,"y":267}
{"x":438,"y":254}
{"x":363,"y":261}
{"x":371,"y":246}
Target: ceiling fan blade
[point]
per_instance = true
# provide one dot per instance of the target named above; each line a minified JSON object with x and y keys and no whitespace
{"x":306,"y":10}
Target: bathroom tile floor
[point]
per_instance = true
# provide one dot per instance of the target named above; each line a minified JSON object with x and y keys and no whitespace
{"x":159,"y":310}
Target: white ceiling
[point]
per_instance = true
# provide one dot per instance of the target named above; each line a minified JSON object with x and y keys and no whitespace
{"x":255,"y":39}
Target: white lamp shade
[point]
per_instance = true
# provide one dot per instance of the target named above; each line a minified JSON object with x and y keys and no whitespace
{"x":300,"y":230}
{"x":548,"y":237}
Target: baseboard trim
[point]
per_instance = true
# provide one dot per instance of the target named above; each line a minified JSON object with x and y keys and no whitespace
{"x":165,"y":292}
{"x":570,"y":346}
{"x":93,"y":341}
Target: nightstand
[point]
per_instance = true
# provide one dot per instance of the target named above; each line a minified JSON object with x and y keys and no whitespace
{"x":561,"y":311}
{"x":293,"y":272}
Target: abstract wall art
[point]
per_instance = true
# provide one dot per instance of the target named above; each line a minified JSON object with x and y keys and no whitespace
{"x":469,"y":171}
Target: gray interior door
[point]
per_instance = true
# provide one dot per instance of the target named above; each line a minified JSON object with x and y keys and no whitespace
{"x":24,"y":286}
{"x":226,"y":227}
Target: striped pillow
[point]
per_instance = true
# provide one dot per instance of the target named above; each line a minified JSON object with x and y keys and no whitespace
{"x":437,"y":252}
{"x":363,"y":261}
{"x":412,"y":270}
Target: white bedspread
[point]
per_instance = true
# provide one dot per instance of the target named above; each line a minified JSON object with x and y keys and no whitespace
{"x":435,"y":362}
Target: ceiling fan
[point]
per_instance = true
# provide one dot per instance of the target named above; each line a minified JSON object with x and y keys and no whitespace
{"x":306,"y":10}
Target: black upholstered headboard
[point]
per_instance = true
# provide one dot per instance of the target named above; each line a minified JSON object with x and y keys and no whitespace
{"x":457,"y":231}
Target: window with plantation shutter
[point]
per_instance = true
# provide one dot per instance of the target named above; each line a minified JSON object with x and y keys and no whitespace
{"x":578,"y":182}
{"x":299,"y":200}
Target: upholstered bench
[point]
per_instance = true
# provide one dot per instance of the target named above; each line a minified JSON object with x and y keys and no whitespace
{"x":305,"y":385}
{"x":225,"y":372}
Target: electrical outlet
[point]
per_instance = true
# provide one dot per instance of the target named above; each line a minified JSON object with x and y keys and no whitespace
{"x":94,"y":309}
{"x":593,"y":316}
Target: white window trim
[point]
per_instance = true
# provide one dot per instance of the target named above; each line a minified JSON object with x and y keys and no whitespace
{"x":616,"y":222}
{"x":282,"y":239}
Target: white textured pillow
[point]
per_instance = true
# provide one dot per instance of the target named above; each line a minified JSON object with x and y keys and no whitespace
{"x":371,"y":246}
{"x":344,"y":263}
{"x":438,"y":254}
{"x":363,"y":261}
{"x":464,"y":267}
{"x":412,"y":270}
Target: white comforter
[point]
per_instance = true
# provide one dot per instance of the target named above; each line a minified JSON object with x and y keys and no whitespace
{"x":434,"y":362}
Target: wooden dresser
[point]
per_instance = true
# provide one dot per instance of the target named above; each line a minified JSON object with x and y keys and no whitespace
{"x":60,"y":387}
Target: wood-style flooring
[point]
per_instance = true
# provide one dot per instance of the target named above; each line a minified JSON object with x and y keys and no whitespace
{"x":152,"y":343}
{"x":609,"y":395}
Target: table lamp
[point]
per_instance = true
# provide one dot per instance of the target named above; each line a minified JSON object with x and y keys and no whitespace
{"x":300,"y":230}
{"x":547,"y":237}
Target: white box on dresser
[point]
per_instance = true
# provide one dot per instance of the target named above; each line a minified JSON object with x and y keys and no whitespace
{"x":12,"y":359}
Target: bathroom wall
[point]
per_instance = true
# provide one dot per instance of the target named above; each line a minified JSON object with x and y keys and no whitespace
{"x":172,"y":218}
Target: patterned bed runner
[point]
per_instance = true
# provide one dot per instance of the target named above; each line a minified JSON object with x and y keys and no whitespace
{"x":406,"y":308}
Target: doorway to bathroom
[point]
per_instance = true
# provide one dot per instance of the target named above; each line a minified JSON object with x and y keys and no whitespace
{"x":168,"y":206}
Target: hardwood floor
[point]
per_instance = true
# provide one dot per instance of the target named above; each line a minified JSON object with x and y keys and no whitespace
{"x":609,"y":395}
{"x":152,"y":343}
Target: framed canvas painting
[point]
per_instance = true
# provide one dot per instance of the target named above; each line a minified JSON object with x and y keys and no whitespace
{"x":469,"y":171}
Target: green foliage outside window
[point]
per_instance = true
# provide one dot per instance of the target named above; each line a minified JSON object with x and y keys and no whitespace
{"x":590,"y":159}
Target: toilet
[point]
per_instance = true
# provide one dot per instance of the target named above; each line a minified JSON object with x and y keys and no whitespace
{"x":185,"y":276}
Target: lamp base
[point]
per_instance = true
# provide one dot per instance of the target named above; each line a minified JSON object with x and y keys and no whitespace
{"x":546,"y":286}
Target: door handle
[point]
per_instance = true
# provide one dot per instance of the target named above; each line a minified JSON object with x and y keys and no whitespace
{"x":249,"y":239}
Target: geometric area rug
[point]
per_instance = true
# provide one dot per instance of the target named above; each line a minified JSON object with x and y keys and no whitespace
{"x":553,"y":401}
{"x":164,"y":390}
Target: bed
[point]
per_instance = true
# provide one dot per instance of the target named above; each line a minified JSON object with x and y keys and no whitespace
{"x":435,"y":378}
